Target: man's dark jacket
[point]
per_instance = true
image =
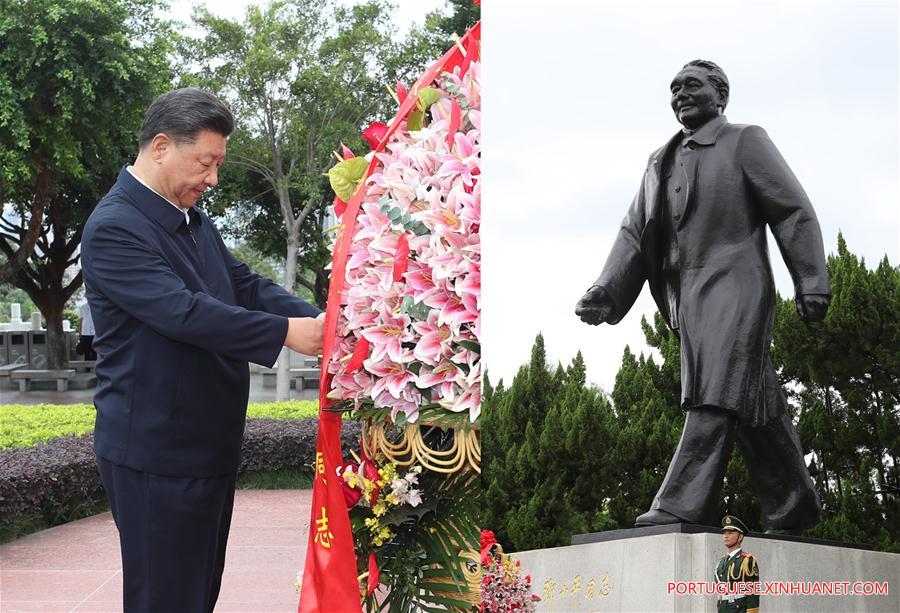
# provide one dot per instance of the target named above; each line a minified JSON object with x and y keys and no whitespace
{"x":738,"y":184}
{"x":177,"y":319}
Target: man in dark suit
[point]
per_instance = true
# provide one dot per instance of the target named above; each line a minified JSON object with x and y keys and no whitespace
{"x":696,"y":232}
{"x":177,"y":319}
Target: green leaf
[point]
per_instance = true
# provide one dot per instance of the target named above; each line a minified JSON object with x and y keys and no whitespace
{"x":470,"y":345}
{"x":415,"y":121}
{"x":345,"y":176}
{"x":418,"y":310}
{"x":429,"y":96}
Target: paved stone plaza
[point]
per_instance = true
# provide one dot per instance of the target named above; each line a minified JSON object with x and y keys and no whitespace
{"x":77,"y":567}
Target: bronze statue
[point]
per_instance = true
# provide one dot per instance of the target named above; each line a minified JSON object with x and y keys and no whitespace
{"x":696,"y":232}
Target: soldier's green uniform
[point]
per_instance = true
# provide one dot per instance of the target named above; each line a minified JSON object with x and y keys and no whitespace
{"x":737,"y":568}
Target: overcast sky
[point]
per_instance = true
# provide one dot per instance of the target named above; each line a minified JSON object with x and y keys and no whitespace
{"x":406,"y":12}
{"x":575,"y":99}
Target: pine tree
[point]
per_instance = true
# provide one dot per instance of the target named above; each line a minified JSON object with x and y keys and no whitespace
{"x":648,"y":426}
{"x":545,"y":462}
{"x":844,"y":377}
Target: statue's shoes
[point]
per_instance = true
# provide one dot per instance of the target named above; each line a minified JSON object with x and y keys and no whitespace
{"x":784,"y":531}
{"x":656,"y":517}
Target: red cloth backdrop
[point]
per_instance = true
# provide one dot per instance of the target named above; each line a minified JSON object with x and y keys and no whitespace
{"x":329,"y":574}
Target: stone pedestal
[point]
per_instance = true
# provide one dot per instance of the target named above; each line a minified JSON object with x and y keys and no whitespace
{"x":631,"y":570}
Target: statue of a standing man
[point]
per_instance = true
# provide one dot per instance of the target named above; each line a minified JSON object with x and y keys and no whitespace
{"x":696,"y":232}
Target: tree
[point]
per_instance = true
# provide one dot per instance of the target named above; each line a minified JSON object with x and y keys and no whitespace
{"x":75,"y":79}
{"x":440,"y":30}
{"x":648,"y":423}
{"x":301,"y":77}
{"x":843,"y":378}
{"x":545,"y":444}
{"x":9,"y":295}
{"x":465,"y":14}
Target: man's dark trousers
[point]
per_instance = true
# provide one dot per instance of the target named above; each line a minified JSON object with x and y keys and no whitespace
{"x":173,"y":532}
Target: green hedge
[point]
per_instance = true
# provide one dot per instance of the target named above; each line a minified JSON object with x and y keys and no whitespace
{"x":53,"y":482}
{"x":24,"y":425}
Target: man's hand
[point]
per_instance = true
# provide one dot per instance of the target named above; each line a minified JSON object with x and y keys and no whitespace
{"x":304,"y":335}
{"x":812,"y":307}
{"x":595,"y":306}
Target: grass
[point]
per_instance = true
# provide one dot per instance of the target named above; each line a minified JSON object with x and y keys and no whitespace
{"x":25,"y":425}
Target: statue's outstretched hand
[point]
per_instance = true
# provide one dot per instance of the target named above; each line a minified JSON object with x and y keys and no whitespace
{"x":812,"y":307}
{"x":595,"y":306}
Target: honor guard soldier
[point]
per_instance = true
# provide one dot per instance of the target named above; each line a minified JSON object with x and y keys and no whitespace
{"x":736,"y":566}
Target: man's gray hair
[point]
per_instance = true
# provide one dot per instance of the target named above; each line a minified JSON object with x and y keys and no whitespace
{"x":183,"y":113}
{"x":716,"y":77}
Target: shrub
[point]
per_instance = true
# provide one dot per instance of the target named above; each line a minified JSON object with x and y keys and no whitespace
{"x":53,"y":479}
{"x":48,"y":480}
{"x":270,"y":444}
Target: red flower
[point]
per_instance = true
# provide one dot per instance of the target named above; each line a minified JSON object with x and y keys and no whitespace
{"x":375,"y":133}
{"x":360,"y":353}
{"x":401,"y":92}
{"x":455,"y":120}
{"x":487,"y":538}
{"x":340,"y":206}
{"x":475,"y":173}
{"x":351,"y":495}
{"x":345,"y":151}
{"x":401,"y":258}
{"x":371,"y":473}
{"x":374,"y":574}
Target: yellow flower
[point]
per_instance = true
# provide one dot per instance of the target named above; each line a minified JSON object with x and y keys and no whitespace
{"x":351,"y":478}
{"x":382,"y":536}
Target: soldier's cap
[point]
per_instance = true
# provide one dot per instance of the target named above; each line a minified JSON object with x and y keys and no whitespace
{"x":730,"y":522}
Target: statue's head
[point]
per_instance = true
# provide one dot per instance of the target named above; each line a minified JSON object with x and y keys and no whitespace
{"x":699,"y":93}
